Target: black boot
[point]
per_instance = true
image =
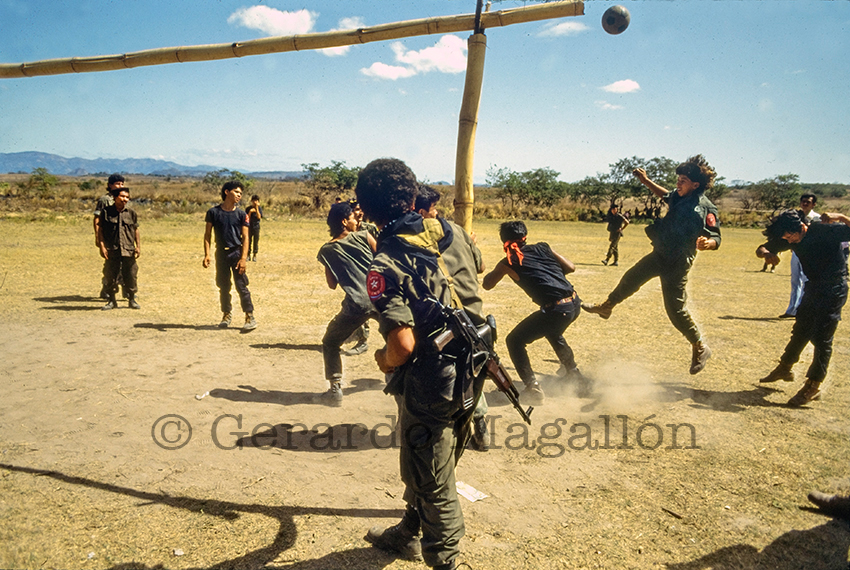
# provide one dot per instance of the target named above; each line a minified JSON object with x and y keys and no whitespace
{"x":402,"y":538}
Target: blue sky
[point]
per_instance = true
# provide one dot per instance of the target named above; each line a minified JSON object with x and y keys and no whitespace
{"x":759,"y":87}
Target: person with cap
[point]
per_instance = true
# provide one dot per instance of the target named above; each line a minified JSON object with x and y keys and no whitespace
{"x":346,"y":259}
{"x":120,"y":246}
{"x":820,"y":249}
{"x":114,"y":181}
{"x":690,"y":225}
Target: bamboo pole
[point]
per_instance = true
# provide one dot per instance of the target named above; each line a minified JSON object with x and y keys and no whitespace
{"x":467,"y":125}
{"x":396,"y":30}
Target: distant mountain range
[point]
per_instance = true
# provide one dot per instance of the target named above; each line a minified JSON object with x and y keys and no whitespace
{"x":14,"y":162}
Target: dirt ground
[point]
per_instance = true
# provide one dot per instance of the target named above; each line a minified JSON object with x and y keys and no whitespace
{"x":92,"y":400}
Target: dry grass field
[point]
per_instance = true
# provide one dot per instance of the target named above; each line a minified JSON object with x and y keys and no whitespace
{"x":84,"y":485}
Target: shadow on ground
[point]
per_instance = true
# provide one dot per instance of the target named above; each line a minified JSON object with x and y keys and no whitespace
{"x":366,"y":558}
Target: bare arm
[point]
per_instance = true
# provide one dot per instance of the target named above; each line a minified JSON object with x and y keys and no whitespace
{"x":659,"y":191}
{"x":764,"y":253}
{"x":492,"y":279}
{"x":329,"y":277}
{"x":400,"y":344}
{"x":242,"y":264}
{"x":705,"y":244}
{"x":834,"y":218}
{"x":567,"y":266}
{"x":372,"y":243}
{"x":207,"y":242}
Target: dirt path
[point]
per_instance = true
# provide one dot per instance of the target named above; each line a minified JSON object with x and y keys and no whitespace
{"x":84,"y":484}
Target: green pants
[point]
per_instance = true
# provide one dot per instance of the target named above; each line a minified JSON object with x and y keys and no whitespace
{"x":674,"y":277}
{"x":428,"y":456}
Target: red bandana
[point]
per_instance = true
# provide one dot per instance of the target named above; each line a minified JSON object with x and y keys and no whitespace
{"x":513,"y":246}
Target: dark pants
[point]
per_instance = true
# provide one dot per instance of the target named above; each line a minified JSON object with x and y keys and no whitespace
{"x":431,"y":445}
{"x":108,"y":286}
{"x":613,"y":249}
{"x":253,"y":238}
{"x":674,"y":278}
{"x":120,"y":268}
{"x":816,"y":321}
{"x":550,"y":325}
{"x":225,"y":265}
{"x":346,"y":322}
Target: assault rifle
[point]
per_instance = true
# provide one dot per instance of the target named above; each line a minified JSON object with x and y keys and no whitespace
{"x":483,"y":358}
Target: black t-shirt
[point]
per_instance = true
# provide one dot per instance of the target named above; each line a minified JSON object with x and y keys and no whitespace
{"x":227,"y":226}
{"x":253,"y":218}
{"x":540,"y":274}
{"x":821,"y":251}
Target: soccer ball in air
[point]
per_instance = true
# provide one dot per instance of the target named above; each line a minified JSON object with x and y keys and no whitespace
{"x":616,"y":19}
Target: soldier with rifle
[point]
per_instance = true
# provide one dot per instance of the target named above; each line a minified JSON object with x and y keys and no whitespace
{"x":408,"y":286}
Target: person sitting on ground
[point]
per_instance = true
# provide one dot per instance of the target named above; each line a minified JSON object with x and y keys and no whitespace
{"x":540,"y":272}
{"x":346,"y":259}
{"x":690,"y":224}
{"x":820,"y":250}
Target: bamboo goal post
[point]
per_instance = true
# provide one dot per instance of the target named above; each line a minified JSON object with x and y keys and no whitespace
{"x":467,"y":124}
{"x":396,"y":30}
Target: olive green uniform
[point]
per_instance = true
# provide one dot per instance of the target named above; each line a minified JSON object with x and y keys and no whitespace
{"x":433,"y":423}
{"x":674,"y":249}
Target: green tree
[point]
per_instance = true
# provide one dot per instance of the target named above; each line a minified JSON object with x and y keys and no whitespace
{"x":213,"y":181}
{"x":777,"y":193}
{"x":539,"y":187}
{"x":90,"y":186}
{"x":322,"y":182}
{"x":40,"y":183}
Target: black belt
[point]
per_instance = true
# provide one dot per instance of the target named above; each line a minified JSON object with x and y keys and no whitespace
{"x":563,"y":301}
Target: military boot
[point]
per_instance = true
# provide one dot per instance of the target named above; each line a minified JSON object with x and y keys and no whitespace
{"x":833,"y":505}
{"x":601,"y":309}
{"x":402,"y":538}
{"x":809,"y":392}
{"x":533,"y":394}
{"x":333,"y":397}
{"x":781,"y":372}
{"x":480,"y":434}
{"x":701,"y":354}
{"x":110,"y":304}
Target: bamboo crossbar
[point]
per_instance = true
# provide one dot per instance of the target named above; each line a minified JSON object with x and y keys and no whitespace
{"x":278,"y":44}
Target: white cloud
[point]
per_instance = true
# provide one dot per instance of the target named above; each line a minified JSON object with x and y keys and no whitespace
{"x":568,"y":28}
{"x":606,"y":106}
{"x":384,"y":71}
{"x":622,"y":86}
{"x":448,"y":55}
{"x":344,"y":24}
{"x":274,"y":22}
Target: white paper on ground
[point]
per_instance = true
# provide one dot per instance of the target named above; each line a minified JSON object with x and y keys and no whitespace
{"x":469,"y":492}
